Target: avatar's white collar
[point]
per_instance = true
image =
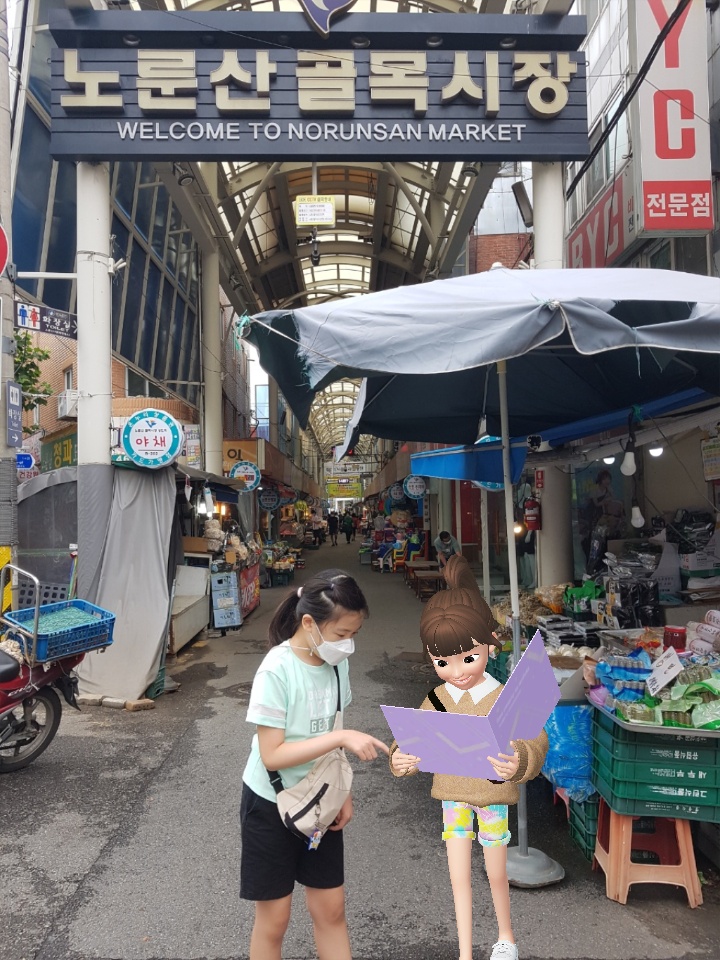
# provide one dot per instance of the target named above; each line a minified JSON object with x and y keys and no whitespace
{"x":478,"y":692}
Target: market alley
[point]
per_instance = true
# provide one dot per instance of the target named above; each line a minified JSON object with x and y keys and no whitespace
{"x":121,"y":841}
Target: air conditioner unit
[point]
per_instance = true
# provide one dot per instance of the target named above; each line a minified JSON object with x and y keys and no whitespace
{"x":67,"y":405}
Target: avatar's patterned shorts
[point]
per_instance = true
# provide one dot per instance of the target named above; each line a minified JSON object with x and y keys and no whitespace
{"x":458,"y":821}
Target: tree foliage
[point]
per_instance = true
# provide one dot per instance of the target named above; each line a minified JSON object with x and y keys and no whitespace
{"x":28,"y":371}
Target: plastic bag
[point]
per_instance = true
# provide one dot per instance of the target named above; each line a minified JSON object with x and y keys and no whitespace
{"x":568,"y":763}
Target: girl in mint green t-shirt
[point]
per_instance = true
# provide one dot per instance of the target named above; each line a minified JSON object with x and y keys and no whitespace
{"x":293,"y":704}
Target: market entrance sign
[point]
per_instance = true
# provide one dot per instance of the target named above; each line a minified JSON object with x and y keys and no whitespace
{"x":201,"y":86}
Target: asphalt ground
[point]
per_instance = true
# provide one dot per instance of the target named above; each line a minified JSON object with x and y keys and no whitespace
{"x":121,"y":841}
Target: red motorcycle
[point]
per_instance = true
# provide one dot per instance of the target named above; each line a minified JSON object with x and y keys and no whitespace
{"x":30,"y":709}
{"x":51,"y":640}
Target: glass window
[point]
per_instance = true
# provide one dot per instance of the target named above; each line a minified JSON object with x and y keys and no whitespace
{"x":163,"y":331}
{"x":134,"y":273}
{"x":151,"y":309}
{"x":61,"y":249}
{"x":136,"y":385}
{"x":160,"y":224}
{"x":39,"y":79}
{"x":31,"y":197}
{"x":659,"y":259}
{"x":595,"y":176}
{"x":174,"y":236}
{"x":617,"y":146}
{"x":119,"y":252}
{"x":691,"y":255}
{"x":125,"y":189}
{"x":155,"y":391}
{"x":176,"y":338}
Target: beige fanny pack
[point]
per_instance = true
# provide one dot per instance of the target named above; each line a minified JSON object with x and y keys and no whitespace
{"x":311,"y":806}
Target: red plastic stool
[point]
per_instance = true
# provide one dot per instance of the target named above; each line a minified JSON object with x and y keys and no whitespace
{"x":560,"y":793}
{"x":671,"y":843}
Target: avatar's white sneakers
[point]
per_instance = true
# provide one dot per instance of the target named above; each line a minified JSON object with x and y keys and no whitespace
{"x":504,"y":950}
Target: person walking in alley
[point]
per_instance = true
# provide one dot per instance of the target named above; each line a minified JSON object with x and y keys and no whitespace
{"x":347,"y":525}
{"x":293,"y":703}
{"x":333,"y":527}
{"x":317,"y":527}
{"x":356,"y":525}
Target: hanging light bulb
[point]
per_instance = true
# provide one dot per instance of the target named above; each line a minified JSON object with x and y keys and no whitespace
{"x":655,"y":451}
{"x":201,"y":508}
{"x":518,"y":528}
{"x":629,"y":466}
{"x":609,"y":460}
{"x":636,"y":518}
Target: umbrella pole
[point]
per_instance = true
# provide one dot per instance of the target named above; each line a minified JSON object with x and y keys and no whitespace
{"x":526,"y":866}
{"x":485,"y":534}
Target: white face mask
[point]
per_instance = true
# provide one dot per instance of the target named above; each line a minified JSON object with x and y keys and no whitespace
{"x":335,"y":652}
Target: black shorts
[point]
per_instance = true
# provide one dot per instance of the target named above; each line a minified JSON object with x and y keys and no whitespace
{"x":272,"y":858}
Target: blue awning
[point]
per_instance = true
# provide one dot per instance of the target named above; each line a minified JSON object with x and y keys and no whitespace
{"x":482,"y":462}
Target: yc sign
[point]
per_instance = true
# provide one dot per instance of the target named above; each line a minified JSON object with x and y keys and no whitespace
{"x":674,"y":121}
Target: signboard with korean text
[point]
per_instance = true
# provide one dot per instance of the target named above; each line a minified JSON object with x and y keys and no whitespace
{"x":268,"y":498}
{"x":397,"y":493}
{"x":33,"y":316}
{"x":414,"y":487}
{"x":152,"y":438}
{"x":248,"y":472}
{"x":347,"y":468}
{"x":673,"y":146}
{"x":315,"y":211}
{"x":609,"y":226}
{"x":169,"y":96}
{"x":344,"y":488}
{"x":59,"y":452}
{"x":13,"y":408}
{"x":711,"y":458}
{"x":191,"y":453}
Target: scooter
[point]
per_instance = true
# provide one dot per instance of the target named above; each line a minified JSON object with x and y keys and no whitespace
{"x":30,"y":709}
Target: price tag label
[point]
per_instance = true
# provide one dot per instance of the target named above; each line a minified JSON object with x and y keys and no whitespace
{"x":666,"y":668}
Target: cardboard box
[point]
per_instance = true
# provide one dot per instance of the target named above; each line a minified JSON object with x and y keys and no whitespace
{"x":195,"y":545}
{"x":702,"y":560}
{"x":231,"y":556}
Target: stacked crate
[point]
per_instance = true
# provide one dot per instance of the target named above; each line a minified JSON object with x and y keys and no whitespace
{"x":656,"y":775}
{"x":583,"y":824}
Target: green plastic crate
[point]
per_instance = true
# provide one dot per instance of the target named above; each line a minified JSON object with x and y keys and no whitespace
{"x":586,"y":843}
{"x":690,"y":739}
{"x":585,"y":815}
{"x":157,"y":687}
{"x":654,"y":808}
{"x":655,"y":748}
{"x":497,"y":667}
{"x":693,"y":792}
{"x":685,"y":772}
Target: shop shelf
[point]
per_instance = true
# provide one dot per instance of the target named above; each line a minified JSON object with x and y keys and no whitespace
{"x":654,"y":749}
{"x":585,"y":842}
{"x":664,"y":791}
{"x":686,"y":772}
{"x":654,"y":808}
{"x":64,"y":629}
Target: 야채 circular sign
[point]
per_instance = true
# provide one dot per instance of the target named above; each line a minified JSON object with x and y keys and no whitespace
{"x":152,"y":438}
{"x":248,"y":472}
{"x":414,"y":487}
{"x":269,"y":499}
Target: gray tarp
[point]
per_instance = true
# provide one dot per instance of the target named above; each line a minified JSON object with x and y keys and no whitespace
{"x":133,"y":584}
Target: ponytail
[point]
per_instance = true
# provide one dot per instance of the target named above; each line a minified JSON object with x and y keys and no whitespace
{"x":324,"y":597}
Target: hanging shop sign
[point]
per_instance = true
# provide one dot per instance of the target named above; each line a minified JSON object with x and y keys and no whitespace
{"x":414,"y":487}
{"x":248,"y":472}
{"x":711,"y":458}
{"x":269,"y":498}
{"x":487,"y":92}
{"x":315,"y":211}
{"x":344,"y":488}
{"x":397,"y":493}
{"x":59,"y":452}
{"x":673,"y":145}
{"x":152,"y":438}
{"x":289,"y":499}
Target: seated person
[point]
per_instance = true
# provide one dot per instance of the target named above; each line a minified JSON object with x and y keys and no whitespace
{"x":446,"y":546}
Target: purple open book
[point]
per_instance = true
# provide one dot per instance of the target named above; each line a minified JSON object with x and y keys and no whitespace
{"x":459,"y":743}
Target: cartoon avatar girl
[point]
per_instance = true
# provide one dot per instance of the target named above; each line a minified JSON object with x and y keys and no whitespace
{"x":456,"y":633}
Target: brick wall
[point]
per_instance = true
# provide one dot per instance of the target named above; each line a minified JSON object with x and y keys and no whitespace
{"x":509,"y":249}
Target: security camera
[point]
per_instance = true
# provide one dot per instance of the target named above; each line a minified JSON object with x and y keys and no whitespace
{"x":534,"y":441}
{"x":315,"y":258}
